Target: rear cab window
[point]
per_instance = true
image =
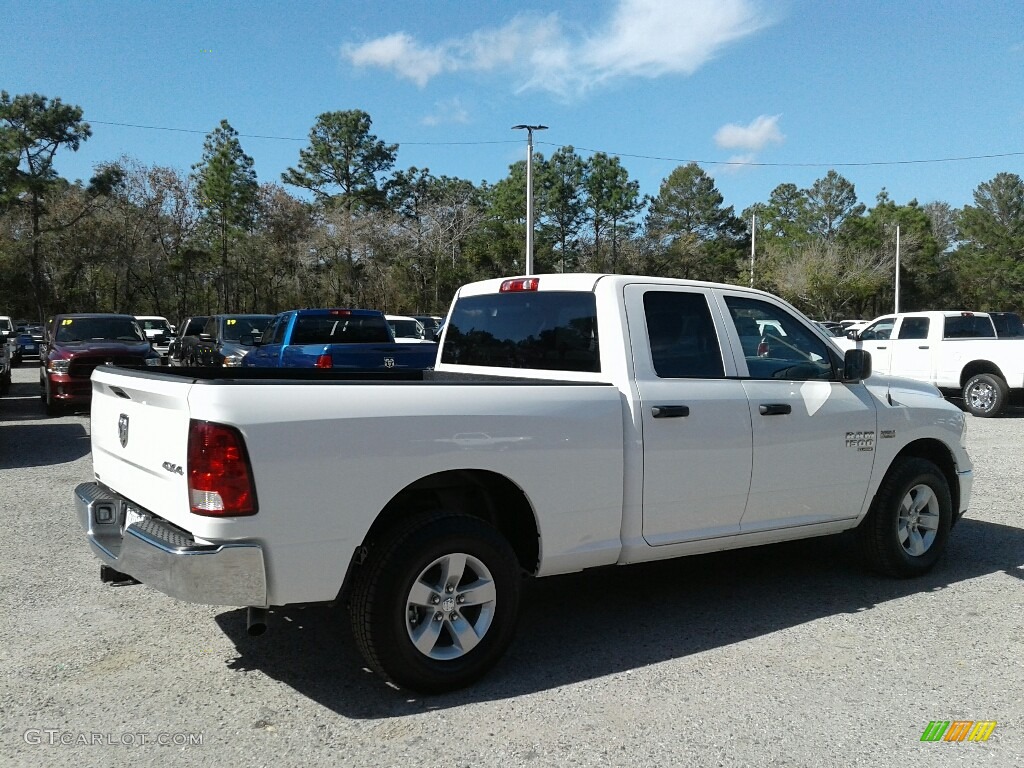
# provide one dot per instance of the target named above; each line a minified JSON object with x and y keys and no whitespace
{"x":544,"y":330}
{"x":968,"y":326}
{"x":340,"y":329}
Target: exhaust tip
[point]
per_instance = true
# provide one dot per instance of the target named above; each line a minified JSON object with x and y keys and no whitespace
{"x":256,"y":621}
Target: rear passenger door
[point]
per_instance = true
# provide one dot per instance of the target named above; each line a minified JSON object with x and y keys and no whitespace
{"x":696,"y":426}
{"x":813,"y":436}
{"x":911,"y":353}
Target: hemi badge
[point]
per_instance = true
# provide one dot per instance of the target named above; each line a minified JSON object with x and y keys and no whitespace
{"x":887,"y":433}
{"x":174,"y":469}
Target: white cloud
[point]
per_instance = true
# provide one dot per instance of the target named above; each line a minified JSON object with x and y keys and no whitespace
{"x":761,"y":132}
{"x":401,"y":53}
{"x":447,"y":112}
{"x":641,"y":38}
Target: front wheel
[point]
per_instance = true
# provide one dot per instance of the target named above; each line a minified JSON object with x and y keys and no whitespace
{"x":434,"y":606}
{"x":985,"y":395}
{"x":908,"y":524}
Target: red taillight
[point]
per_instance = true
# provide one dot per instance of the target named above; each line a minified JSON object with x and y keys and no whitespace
{"x":340,"y":312}
{"x":762,"y":348}
{"x":324,"y":361}
{"x":219,"y":474}
{"x":519,"y":284}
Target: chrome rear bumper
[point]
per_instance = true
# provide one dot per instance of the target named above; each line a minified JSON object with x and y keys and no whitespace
{"x":167,"y":558}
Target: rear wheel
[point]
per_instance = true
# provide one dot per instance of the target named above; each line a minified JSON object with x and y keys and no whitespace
{"x":434,"y":606}
{"x":906,"y":529}
{"x":985,"y":395}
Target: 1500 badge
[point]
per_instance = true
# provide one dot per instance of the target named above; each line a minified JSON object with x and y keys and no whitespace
{"x":862,"y":441}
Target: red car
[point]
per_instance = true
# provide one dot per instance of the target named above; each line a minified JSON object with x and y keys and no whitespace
{"x":76,"y":344}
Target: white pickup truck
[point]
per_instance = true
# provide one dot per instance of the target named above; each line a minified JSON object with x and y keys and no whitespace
{"x":958,"y":352}
{"x":571,"y":422}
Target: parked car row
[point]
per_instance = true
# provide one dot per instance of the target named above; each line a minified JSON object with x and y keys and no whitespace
{"x":70,"y":346}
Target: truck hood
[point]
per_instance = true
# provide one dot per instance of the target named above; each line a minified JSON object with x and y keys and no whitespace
{"x":899,"y":388}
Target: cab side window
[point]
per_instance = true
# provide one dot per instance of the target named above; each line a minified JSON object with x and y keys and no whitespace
{"x":879,"y":330}
{"x":684,"y":343}
{"x":914,"y":328}
{"x":277,"y":337}
{"x":776,"y":345}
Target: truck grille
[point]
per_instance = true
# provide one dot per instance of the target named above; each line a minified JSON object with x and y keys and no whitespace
{"x":82,"y":368}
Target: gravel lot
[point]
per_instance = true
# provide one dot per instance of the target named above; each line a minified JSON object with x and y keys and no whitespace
{"x":780,"y":656}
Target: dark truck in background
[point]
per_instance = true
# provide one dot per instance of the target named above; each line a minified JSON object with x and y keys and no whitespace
{"x":353,"y":339}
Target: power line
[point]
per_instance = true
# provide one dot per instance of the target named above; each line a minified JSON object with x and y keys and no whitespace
{"x":292,"y":138}
{"x":923,"y":161}
{"x":798,"y":165}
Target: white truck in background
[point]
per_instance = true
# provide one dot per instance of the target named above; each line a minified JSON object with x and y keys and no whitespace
{"x":959,"y":352}
{"x":572,"y":421}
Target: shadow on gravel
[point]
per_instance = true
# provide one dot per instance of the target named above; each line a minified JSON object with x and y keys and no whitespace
{"x":41,"y":445}
{"x":30,"y":438}
{"x":606,"y":621}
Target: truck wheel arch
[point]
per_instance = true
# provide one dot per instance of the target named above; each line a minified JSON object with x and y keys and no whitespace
{"x":975,"y":367}
{"x":480,"y":493}
{"x":939,"y":455}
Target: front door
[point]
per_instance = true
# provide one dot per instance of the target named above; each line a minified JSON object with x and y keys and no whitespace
{"x":877,"y":339}
{"x":813,"y":436}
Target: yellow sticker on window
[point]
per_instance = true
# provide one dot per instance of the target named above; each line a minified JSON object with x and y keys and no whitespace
{"x":66,"y":322}
{"x":232,"y":322}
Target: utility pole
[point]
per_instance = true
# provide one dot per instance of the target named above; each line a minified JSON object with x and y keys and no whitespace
{"x":529,"y":190}
{"x":753,"y":237}
{"x":897,"y":268}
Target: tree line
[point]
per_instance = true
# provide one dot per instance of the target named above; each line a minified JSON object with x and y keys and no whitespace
{"x":149,"y":239}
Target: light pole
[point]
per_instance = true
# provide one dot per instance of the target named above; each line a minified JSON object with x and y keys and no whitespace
{"x":529,"y":190}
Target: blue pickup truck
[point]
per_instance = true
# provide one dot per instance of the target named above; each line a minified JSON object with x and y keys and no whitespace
{"x":352,"y":339}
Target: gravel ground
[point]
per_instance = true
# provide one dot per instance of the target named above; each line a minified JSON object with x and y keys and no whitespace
{"x":788,"y":655}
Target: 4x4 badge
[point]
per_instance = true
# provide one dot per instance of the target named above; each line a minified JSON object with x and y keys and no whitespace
{"x":122,"y":429}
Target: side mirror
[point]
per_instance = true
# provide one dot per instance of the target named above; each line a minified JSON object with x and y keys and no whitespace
{"x":856,"y":365}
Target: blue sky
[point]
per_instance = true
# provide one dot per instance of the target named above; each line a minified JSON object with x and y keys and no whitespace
{"x":760,"y":93}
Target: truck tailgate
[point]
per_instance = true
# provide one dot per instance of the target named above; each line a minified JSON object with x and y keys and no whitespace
{"x":140,"y":439}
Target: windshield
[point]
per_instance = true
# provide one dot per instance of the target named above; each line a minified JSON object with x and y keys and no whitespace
{"x":407,"y":329}
{"x":160,"y":325}
{"x":237,"y":327}
{"x":72,"y":329}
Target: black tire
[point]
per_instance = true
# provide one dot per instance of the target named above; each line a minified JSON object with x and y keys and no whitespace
{"x":385,"y":616}
{"x":53,"y":408}
{"x":985,"y":395}
{"x":893,"y":529}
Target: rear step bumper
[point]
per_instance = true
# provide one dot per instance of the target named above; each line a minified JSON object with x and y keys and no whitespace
{"x":168,"y":558}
